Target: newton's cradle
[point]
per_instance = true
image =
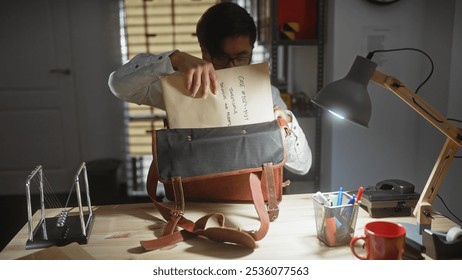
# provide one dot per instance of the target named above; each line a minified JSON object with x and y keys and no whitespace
{"x":65,"y":228}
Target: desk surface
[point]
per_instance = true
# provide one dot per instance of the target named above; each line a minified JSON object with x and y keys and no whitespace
{"x":118,"y":229}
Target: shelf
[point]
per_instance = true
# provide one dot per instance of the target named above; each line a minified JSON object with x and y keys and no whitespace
{"x":301,"y":22}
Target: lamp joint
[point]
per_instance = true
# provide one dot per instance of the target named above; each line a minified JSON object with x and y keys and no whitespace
{"x":395,"y":85}
{"x":428,"y":214}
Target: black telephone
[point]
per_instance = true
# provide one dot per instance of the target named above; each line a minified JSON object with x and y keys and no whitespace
{"x":391,"y":197}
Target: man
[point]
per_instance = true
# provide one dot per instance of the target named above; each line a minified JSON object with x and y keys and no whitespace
{"x":226,"y":34}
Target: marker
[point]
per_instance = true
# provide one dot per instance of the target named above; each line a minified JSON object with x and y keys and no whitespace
{"x":352,"y":199}
{"x":330,"y":202}
{"x":322,"y":198}
{"x":330,"y":229}
{"x":340,"y":196}
{"x":360,"y":193}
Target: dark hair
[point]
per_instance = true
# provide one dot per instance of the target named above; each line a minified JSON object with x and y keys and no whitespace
{"x":222,"y":21}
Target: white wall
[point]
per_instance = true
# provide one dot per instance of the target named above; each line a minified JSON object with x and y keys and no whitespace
{"x":398,"y":142}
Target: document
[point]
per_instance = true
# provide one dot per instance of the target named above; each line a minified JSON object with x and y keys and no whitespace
{"x":243,"y":97}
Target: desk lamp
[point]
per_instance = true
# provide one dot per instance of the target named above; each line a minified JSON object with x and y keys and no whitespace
{"x":348,"y":98}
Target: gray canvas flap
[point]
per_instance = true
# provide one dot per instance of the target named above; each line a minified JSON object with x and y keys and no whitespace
{"x":205,"y":151}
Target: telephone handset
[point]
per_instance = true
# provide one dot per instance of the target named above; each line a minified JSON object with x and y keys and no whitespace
{"x":396,"y":185}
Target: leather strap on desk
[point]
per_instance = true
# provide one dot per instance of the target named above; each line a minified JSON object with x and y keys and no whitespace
{"x":175,"y":217}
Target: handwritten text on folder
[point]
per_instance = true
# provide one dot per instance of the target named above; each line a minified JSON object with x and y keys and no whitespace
{"x":243,"y":97}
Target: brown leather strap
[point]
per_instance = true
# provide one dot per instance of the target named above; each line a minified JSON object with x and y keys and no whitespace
{"x":179,"y":196}
{"x":260,"y":207}
{"x":219,"y":234}
{"x":230,"y":235}
{"x":273,"y":209}
{"x":167,"y":240}
{"x":173,"y":218}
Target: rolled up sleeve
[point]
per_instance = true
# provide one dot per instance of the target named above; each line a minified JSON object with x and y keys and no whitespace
{"x":137,"y":81}
{"x":299,"y":157}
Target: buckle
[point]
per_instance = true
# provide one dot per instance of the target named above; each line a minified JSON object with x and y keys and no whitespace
{"x":273,"y":212}
{"x":176,"y":213}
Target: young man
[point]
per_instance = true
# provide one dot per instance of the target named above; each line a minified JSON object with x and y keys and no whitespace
{"x":226,"y":34}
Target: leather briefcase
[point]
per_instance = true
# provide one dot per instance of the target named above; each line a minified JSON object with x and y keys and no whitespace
{"x":225,"y":164}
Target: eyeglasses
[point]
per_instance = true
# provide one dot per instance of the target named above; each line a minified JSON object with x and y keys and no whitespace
{"x":224,"y":60}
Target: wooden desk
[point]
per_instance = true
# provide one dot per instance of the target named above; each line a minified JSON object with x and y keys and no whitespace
{"x":118,"y":229}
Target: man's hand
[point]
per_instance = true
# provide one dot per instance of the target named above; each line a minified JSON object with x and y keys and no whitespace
{"x":199,"y":73}
{"x":278,"y":112}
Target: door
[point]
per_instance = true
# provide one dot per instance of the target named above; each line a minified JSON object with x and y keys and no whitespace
{"x":38,"y":114}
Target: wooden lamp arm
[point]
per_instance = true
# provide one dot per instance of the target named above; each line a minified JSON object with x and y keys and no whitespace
{"x":453,"y":141}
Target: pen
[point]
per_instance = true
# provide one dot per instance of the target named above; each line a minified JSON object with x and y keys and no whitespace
{"x":352,"y":199}
{"x":344,"y":226}
{"x":360,"y":193}
{"x":340,"y":196}
{"x":347,"y":210}
{"x":339,"y":203}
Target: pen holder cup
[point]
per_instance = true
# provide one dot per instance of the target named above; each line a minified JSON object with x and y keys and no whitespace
{"x":335,"y":225}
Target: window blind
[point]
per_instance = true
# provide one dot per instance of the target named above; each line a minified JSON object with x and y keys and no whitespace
{"x":153,"y":26}
{"x":157,"y":26}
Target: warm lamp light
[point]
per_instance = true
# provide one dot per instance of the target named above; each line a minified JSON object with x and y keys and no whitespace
{"x":349,"y":98}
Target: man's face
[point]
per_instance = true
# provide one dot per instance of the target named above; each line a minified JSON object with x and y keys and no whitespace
{"x":237,"y":51}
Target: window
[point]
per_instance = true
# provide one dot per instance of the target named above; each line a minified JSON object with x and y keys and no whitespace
{"x":153,"y":26}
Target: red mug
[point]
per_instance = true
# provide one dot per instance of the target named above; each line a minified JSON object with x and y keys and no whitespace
{"x":383,"y":241}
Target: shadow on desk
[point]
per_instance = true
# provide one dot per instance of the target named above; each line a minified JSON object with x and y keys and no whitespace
{"x":14,"y":211}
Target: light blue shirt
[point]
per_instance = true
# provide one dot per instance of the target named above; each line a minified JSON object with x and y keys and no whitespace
{"x":137,"y":81}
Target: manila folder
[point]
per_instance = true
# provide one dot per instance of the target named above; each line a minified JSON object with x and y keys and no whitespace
{"x":243,"y":97}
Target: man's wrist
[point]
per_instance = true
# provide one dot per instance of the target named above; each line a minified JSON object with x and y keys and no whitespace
{"x":174,"y":57}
